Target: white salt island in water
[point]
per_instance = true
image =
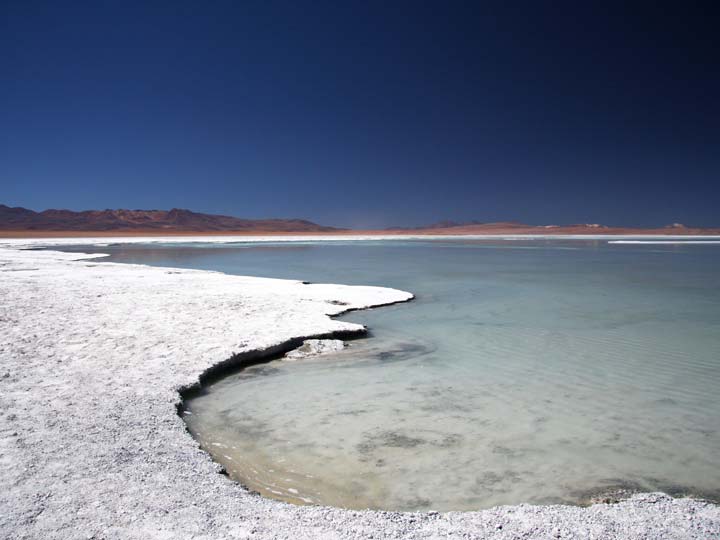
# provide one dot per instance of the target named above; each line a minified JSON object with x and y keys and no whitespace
{"x":315,"y":347}
{"x":93,"y":357}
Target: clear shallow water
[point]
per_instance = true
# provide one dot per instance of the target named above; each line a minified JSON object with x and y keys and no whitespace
{"x":524,"y":372}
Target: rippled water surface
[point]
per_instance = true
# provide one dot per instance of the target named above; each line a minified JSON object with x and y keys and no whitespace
{"x":524,"y":372}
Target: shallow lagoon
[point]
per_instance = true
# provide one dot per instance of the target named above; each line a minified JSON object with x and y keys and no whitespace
{"x":537,"y":371}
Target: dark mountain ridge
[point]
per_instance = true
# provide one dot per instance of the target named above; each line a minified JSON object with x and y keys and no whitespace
{"x":177,"y":219}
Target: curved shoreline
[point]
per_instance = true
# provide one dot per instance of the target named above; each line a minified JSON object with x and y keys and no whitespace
{"x":93,"y":359}
{"x":260,"y":356}
{"x":242,"y":361}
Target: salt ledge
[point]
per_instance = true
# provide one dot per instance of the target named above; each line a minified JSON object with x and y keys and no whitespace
{"x":93,"y":358}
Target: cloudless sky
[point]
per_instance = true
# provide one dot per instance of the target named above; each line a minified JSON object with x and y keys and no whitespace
{"x":365,"y":114}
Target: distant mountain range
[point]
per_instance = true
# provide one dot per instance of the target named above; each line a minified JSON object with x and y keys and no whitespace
{"x":23,"y":222}
{"x":22,"y":219}
{"x":514,"y":227}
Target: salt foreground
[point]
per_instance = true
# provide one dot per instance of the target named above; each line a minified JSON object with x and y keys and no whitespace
{"x":93,"y":358}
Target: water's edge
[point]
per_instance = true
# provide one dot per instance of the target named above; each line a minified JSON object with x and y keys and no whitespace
{"x":254,"y":357}
{"x":246,"y":359}
{"x":593,"y":495}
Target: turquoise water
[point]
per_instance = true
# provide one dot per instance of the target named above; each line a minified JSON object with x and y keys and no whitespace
{"x":523,"y":372}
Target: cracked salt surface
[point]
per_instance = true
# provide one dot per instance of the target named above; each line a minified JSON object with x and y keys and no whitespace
{"x":93,"y":357}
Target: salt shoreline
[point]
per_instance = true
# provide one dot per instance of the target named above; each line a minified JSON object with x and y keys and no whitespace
{"x":199,"y":238}
{"x":94,"y":358}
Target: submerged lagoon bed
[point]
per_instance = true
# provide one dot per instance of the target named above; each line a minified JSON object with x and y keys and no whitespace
{"x":535,"y":371}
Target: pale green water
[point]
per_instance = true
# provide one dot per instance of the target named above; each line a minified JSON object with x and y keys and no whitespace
{"x":524,"y":372}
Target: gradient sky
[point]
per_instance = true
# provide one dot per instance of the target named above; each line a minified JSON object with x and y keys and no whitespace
{"x":365,"y":114}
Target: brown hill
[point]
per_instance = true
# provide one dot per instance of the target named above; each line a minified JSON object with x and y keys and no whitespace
{"x":175,"y":220}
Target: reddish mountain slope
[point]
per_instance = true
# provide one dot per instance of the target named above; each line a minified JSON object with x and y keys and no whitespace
{"x":22,"y":219}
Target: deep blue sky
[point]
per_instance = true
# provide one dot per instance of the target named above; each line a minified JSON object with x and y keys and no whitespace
{"x":364,"y":113}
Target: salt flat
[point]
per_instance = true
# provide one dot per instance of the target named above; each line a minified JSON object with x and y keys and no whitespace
{"x":93,"y":357}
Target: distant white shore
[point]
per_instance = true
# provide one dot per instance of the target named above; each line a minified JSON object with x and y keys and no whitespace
{"x":93,"y":357}
{"x":223,"y":239}
{"x":666,"y":241}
